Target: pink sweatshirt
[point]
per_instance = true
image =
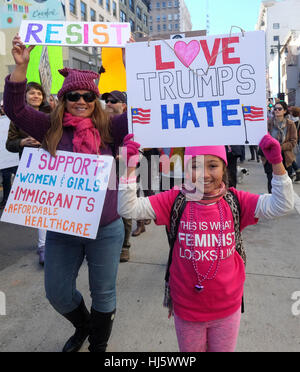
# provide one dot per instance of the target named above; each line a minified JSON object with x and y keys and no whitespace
{"x":222,"y":295}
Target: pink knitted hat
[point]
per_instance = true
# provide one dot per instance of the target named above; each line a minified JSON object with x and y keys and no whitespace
{"x":218,"y":151}
{"x":78,"y":80}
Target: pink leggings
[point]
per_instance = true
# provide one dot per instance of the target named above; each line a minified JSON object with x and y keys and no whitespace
{"x":213,"y":336}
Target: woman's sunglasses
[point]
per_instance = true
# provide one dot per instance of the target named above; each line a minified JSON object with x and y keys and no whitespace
{"x":113,"y":101}
{"x":75,"y":97}
{"x":278,"y":109}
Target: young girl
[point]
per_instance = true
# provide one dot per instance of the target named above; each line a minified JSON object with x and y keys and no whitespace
{"x":207,"y":274}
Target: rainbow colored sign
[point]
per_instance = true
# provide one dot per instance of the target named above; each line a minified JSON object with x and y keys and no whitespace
{"x":112,"y":34}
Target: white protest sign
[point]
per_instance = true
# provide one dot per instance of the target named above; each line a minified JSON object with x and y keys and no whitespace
{"x":98,"y":34}
{"x":64,"y":194}
{"x":192,"y":91}
{"x":7,"y":159}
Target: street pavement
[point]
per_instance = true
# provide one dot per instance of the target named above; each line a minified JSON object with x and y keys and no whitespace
{"x":271,"y":321}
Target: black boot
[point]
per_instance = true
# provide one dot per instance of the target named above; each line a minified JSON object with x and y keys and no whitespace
{"x":80,"y":318}
{"x":101,"y":326}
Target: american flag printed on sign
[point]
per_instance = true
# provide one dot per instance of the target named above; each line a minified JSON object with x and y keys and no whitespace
{"x":140,"y":116}
{"x":252,"y":113}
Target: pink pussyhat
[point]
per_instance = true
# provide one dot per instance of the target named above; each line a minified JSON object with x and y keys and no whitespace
{"x":191,"y":152}
{"x":78,"y":80}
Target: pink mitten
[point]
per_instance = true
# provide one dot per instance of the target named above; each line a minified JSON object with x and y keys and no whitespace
{"x":130,"y":151}
{"x":271,"y":149}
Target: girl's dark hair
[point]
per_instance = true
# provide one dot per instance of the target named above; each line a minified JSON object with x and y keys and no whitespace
{"x":44,"y":107}
{"x":284,"y":105}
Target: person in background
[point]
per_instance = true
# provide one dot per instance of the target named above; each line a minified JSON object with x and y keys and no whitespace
{"x":52,"y":101}
{"x":284,"y":130}
{"x":116,"y":104}
{"x":295,"y":117}
{"x":17,"y":140}
{"x":254,"y":153}
{"x":233,"y":153}
{"x":2,"y":113}
{"x":145,"y":180}
{"x":7,"y":174}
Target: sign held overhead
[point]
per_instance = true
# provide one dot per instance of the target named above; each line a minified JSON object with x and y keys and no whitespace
{"x":98,"y":34}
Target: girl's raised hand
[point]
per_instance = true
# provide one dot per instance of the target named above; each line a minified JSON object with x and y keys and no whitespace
{"x":271,"y":149}
{"x":130,"y":151}
{"x":19,"y":51}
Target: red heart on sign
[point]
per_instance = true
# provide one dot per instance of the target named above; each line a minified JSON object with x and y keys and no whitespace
{"x":187,"y":52}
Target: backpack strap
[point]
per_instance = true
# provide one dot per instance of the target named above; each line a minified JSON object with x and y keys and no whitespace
{"x":235,"y":207}
{"x":175,"y":217}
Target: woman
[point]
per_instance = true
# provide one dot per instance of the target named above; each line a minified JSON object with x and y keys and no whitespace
{"x":77,"y":124}
{"x":284,"y":130}
{"x":17,"y":139}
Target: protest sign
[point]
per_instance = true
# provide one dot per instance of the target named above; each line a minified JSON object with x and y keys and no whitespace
{"x":7,"y":159}
{"x":114,"y":77}
{"x":64,"y":194}
{"x":98,"y":34}
{"x":12,"y":12}
{"x":195,"y":91}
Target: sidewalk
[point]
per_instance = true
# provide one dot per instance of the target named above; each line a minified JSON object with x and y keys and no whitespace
{"x":142,"y":325}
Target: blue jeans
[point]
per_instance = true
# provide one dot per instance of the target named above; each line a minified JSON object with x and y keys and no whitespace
{"x":63,"y":258}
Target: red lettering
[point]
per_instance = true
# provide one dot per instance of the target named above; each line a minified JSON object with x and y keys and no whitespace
{"x":50,"y":197}
{"x":211,"y":57}
{"x":226,"y":50}
{"x":160,"y":65}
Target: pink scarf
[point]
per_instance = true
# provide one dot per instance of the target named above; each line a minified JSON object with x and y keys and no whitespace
{"x":87,"y":138}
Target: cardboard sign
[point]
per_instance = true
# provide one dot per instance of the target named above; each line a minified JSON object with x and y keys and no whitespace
{"x":98,"y":34}
{"x":12,"y":12}
{"x":197,"y":91}
{"x":64,"y":194}
{"x":7,"y":159}
{"x":114,"y":77}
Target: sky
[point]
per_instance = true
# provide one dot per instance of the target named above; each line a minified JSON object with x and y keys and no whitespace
{"x":224,"y":14}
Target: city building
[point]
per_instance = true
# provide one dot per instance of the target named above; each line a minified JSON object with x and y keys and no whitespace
{"x":74,"y":10}
{"x":167,"y":17}
{"x":278,"y":19}
{"x":136,"y":12}
{"x":290,"y":68}
{"x":86,"y":58}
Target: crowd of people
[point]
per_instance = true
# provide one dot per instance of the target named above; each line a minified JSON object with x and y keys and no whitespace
{"x":207,"y":304}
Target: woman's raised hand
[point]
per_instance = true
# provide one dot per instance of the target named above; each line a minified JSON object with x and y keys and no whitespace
{"x":19,"y":51}
{"x":21,"y":56}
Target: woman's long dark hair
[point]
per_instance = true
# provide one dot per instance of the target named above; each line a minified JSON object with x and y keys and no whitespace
{"x":284,"y":106}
